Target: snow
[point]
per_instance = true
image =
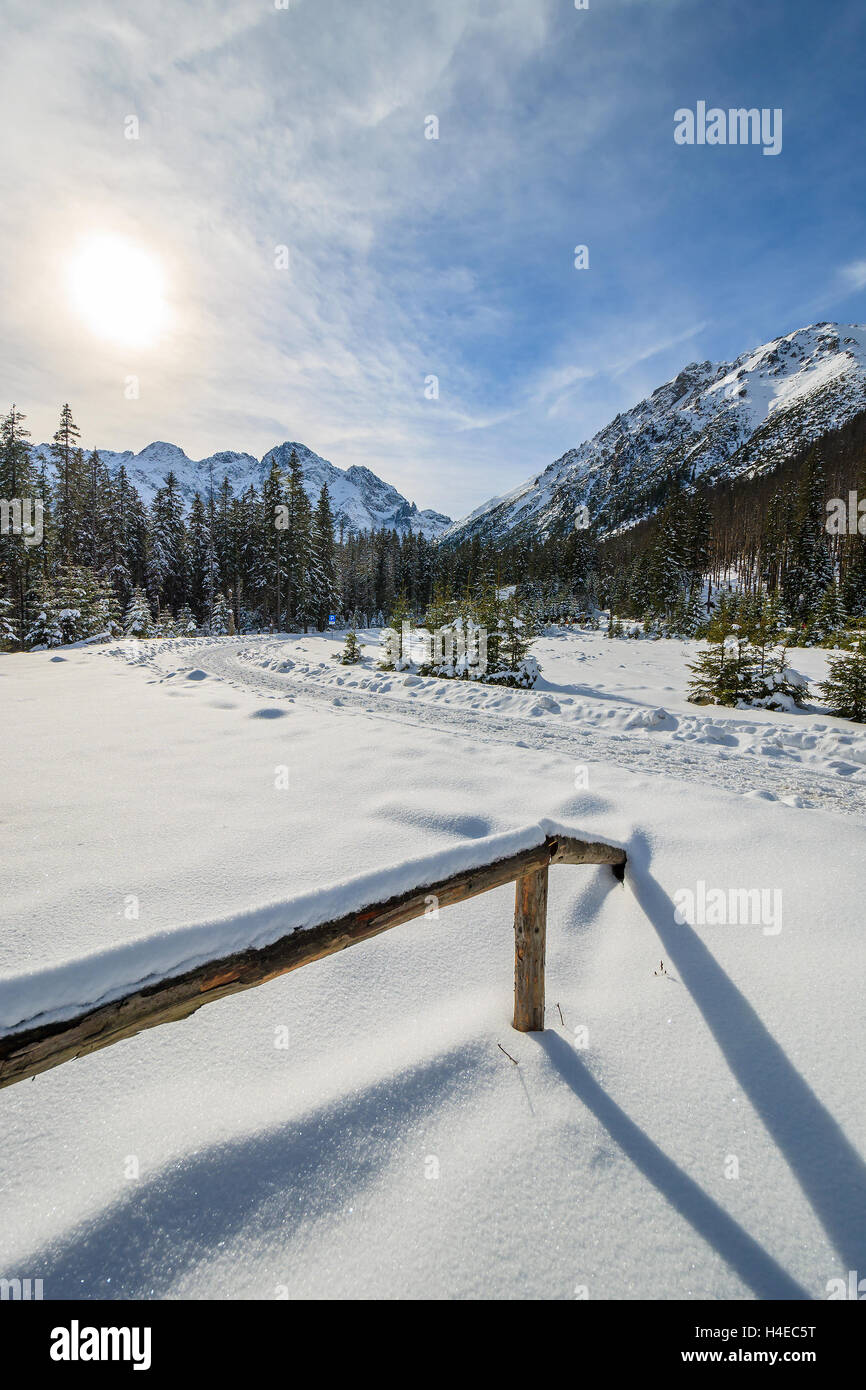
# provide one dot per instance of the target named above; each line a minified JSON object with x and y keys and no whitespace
{"x":723,"y":418}
{"x":360,"y":500}
{"x":391,"y":1149}
{"x":32,"y":998}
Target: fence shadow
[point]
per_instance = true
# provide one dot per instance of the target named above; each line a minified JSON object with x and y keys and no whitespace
{"x":764,"y":1276}
{"x":829,"y":1170}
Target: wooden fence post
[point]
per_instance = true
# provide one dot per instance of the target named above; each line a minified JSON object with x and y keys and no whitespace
{"x":530,"y":931}
{"x":35,"y":1046}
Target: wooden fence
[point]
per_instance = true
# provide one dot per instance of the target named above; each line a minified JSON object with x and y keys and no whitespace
{"x":32,"y":1050}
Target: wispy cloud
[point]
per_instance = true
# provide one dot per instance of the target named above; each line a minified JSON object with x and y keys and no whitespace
{"x":855,"y":275}
{"x":408,"y":257}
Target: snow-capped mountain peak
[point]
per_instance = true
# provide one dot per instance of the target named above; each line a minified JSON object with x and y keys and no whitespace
{"x":711,"y":421}
{"x":361,"y":501}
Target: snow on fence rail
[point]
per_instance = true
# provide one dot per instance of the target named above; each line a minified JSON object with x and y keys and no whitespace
{"x":68,"y":1011}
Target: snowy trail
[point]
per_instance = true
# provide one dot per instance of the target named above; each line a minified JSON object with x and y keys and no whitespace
{"x":776,"y":765}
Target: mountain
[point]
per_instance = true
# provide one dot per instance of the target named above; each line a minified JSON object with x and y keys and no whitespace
{"x":715,"y":420}
{"x":361,"y":501}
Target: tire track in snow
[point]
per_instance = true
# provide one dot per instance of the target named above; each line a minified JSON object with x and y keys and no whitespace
{"x":732,"y":771}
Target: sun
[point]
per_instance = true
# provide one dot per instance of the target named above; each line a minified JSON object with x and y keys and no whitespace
{"x":118,"y":288}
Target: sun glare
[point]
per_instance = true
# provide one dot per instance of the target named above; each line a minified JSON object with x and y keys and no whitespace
{"x":118,"y":290}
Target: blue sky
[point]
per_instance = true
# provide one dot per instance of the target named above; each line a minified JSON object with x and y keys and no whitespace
{"x":305,"y":127}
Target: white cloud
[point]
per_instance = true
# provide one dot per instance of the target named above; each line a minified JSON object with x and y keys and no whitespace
{"x":855,"y":275}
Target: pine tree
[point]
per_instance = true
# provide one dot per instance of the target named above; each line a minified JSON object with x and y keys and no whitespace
{"x":669,"y":560}
{"x":762,"y":626}
{"x":351,"y":653}
{"x":401,"y":612}
{"x":274,"y":577}
{"x":94,"y":547}
{"x":76,"y":599}
{"x":123,"y":507}
{"x":137,"y":620}
{"x":168,"y":567}
{"x":225,"y":541}
{"x":830,"y":615}
{"x":43,"y":628}
{"x":186,"y":623}
{"x":69,"y":465}
{"x":108,"y":615}
{"x":854,"y":588}
{"x":844,"y":690}
{"x":694,"y":617}
{"x":513,"y":645}
{"x":17,"y":482}
{"x":220,"y":622}
{"x":720,"y":673}
{"x":199,"y":552}
{"x":810,"y":568}
{"x":324,"y":568}
{"x":8,"y":635}
{"x":300,"y":606}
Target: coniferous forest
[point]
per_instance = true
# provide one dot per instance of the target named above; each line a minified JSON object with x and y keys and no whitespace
{"x":270,"y":559}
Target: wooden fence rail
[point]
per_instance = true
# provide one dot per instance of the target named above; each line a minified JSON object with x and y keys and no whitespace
{"x":29,"y":1051}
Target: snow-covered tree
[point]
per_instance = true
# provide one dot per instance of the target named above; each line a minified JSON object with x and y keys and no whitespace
{"x":351,"y":653}
{"x":8,"y":635}
{"x":220,"y":624}
{"x":830,"y":615}
{"x":326,"y":595}
{"x":71,"y":485}
{"x":43,"y":628}
{"x":107,"y":613}
{"x":167,"y":569}
{"x":186,"y":623}
{"x":844,"y":690}
{"x":138,"y":620}
{"x":76,"y":599}
{"x":810,"y":568}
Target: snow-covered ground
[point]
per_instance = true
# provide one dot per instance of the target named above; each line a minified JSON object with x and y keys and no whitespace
{"x":353,"y":1129}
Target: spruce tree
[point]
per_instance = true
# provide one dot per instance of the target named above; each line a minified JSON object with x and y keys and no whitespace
{"x":168,"y":568}
{"x":809,"y":569}
{"x":829,"y":616}
{"x":720,"y":674}
{"x":351,"y":653}
{"x":300,"y":606}
{"x":221,"y":621}
{"x":69,"y":467}
{"x":108,"y":615}
{"x":186,"y":623}
{"x":43,"y":627}
{"x":854,"y":590}
{"x":17,"y":481}
{"x":121,"y":556}
{"x":137,"y":620}
{"x":76,"y":597}
{"x":199,"y":550}
{"x":844,"y":690}
{"x":274,"y":543}
{"x":8,"y":636}
{"x":513,"y":644}
{"x":324,"y":568}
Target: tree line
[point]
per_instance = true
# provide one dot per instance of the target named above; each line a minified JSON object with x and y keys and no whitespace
{"x":261,"y":559}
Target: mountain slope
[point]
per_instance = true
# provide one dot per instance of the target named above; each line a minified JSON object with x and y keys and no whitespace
{"x":713,"y":421}
{"x":361,"y":500}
